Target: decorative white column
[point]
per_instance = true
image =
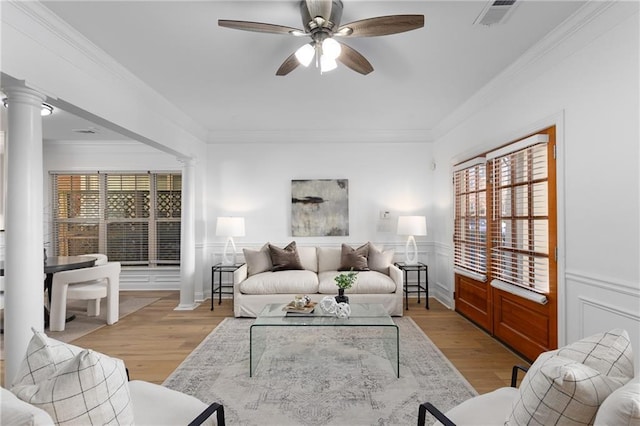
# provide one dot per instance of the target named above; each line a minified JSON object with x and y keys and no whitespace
{"x":24,"y":239}
{"x":187,"y":237}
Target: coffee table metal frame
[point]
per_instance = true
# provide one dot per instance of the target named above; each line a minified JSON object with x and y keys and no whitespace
{"x":362,"y":315}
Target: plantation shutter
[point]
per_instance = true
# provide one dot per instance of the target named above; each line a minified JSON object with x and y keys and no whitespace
{"x":127,"y":213}
{"x":168,"y":211}
{"x":470,"y":222}
{"x":520,"y":214}
{"x":75,"y":211}
{"x":134,"y":218}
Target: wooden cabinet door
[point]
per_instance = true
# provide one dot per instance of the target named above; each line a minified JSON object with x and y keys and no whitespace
{"x":473,"y":300}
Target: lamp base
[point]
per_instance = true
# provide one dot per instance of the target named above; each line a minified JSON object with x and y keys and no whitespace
{"x":411,"y":257}
{"x":229,"y":258}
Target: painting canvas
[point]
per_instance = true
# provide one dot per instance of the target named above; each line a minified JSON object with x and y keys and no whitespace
{"x":319,"y":207}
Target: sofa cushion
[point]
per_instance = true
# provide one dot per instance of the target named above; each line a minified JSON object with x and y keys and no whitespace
{"x":282,"y":282}
{"x":491,"y":408}
{"x":156,"y":405}
{"x":258,"y":260}
{"x":92,"y":388}
{"x":558,"y":390}
{"x":44,"y":355}
{"x":15,"y":412}
{"x":355,"y":259}
{"x":380,"y":260}
{"x":329,"y":258}
{"x":622,"y":407}
{"x":368,"y":282}
{"x":308,"y":258}
{"x":284,"y":259}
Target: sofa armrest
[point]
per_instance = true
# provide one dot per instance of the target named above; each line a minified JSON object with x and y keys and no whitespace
{"x":396,"y":275}
{"x":427,"y":406}
{"x":213,"y":408}
{"x":240,"y":275}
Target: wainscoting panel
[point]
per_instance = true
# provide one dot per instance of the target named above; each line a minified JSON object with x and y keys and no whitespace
{"x":150,"y":279}
{"x":442,"y":282}
{"x":598,"y":304}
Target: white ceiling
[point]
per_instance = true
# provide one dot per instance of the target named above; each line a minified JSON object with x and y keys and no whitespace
{"x":225,"y":79}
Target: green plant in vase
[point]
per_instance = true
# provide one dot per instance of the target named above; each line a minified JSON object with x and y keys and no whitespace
{"x":345,"y":281}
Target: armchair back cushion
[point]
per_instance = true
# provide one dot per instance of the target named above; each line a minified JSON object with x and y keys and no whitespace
{"x":622,"y":407}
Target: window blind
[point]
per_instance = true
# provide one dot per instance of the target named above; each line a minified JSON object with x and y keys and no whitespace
{"x":470,"y":222}
{"x":520,"y":217}
{"x":133,"y":218}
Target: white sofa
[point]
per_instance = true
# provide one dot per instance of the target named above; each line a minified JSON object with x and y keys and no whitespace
{"x":255,"y":285}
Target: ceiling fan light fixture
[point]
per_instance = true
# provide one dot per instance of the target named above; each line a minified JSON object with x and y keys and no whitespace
{"x":327,"y":64}
{"x":305,"y":54}
{"x":331,"y":48}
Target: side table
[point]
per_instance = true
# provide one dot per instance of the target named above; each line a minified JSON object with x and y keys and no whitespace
{"x":219,"y":286}
{"x":418,"y":268}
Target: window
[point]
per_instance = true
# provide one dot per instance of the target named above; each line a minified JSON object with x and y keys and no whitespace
{"x":520,"y":214}
{"x":470,"y":223}
{"x":133,"y":218}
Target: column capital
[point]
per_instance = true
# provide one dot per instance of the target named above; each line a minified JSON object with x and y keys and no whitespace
{"x":25,"y":95}
{"x":187,"y":161}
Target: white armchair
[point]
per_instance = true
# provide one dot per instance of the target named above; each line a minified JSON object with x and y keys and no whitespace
{"x":88,"y":283}
{"x":590,"y":381}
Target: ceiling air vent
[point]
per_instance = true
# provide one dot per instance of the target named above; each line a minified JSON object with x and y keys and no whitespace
{"x":87,"y":131}
{"x":495,"y":12}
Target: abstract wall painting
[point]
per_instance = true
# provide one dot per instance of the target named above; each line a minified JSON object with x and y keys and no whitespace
{"x":319,"y":207}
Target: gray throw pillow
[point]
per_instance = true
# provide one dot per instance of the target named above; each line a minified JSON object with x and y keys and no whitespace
{"x":257,"y":260}
{"x":355,"y":259}
{"x":286,"y":258}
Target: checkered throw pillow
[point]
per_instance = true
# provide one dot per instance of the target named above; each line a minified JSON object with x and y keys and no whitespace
{"x":91,"y":389}
{"x":609,"y":353}
{"x":44,"y":355}
{"x":559,"y":390}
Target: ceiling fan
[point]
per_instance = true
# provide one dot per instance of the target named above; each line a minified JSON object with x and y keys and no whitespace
{"x":321,"y":22}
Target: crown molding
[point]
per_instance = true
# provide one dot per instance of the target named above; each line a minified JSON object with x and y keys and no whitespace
{"x":323,"y":136}
{"x":36,"y":21}
{"x":560,"y":43}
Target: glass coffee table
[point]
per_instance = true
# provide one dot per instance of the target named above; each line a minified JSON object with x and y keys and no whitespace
{"x":362,"y":315}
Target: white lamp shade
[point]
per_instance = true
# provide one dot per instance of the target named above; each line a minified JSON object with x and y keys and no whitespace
{"x":230,"y":226}
{"x":412,"y":225}
{"x":331,"y":48}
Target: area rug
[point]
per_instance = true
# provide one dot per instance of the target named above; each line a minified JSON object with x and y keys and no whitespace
{"x":82,"y":324}
{"x":319,"y":376}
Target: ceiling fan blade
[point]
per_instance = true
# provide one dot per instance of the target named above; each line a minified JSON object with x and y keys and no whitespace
{"x":288,"y":65}
{"x":319,"y":8}
{"x":257,"y":27}
{"x":354,"y":60}
{"x":381,"y":25}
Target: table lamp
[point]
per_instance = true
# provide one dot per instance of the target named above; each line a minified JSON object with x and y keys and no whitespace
{"x":229,"y":227}
{"x":411,"y":226}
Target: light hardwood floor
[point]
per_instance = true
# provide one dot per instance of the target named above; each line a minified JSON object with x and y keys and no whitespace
{"x":156,"y":339}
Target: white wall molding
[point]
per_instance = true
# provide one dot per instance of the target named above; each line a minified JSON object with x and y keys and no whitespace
{"x":585,"y":301}
{"x":94,"y":86}
{"x":608,"y":283}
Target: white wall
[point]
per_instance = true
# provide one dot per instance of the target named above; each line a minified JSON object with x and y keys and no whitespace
{"x":254,"y":181}
{"x":587,"y":84}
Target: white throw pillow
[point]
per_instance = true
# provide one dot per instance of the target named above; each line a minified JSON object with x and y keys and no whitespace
{"x":44,"y":355}
{"x":622,"y":407}
{"x":380,"y":260}
{"x":559,"y":390}
{"x":257,"y":261}
{"x":609,"y":353}
{"x":90,"y":389}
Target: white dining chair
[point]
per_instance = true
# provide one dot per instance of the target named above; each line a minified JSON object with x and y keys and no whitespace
{"x":89,"y":284}
{"x":92,"y":291}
